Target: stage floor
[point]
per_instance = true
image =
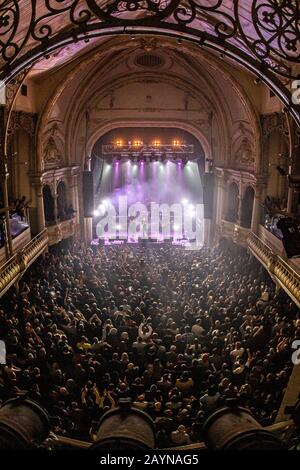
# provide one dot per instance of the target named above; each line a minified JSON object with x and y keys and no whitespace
{"x":181,"y":243}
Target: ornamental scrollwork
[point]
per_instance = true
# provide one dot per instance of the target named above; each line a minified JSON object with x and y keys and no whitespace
{"x":267,"y":30}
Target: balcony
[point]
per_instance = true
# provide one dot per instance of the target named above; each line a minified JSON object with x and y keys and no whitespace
{"x":234,"y":232}
{"x":14,"y":268}
{"x":62,"y":230}
{"x":281,"y":271}
{"x":282,"y":430}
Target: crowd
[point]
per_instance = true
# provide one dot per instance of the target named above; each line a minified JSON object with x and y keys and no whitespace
{"x":179,"y":332}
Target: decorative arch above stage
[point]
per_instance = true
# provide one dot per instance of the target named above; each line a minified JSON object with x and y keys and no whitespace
{"x":188,"y":94}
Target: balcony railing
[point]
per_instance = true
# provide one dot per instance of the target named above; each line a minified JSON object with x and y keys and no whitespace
{"x":235,"y":232}
{"x":281,"y":430}
{"x":62,"y":230}
{"x":12,"y":270}
{"x":283,"y":273}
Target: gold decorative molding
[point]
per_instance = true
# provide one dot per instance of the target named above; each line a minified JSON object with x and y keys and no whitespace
{"x":61,"y":231}
{"x":280,"y":271}
{"x":15,"y":266}
{"x":233,"y":232}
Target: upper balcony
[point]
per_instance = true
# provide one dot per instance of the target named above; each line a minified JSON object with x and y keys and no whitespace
{"x":268,"y":249}
{"x":20,"y":231}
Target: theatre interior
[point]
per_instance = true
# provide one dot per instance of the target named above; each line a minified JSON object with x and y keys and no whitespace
{"x":149,"y":225}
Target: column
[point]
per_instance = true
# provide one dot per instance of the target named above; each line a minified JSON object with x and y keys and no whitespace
{"x":256,"y":210}
{"x":239,"y":217}
{"x":73,"y":187}
{"x":4,"y":178}
{"x":220,"y":199}
{"x":88,"y":230}
{"x":40,"y":214}
{"x":55,"y":206}
{"x":40,"y":208}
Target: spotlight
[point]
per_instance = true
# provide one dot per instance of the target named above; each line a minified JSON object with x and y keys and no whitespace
{"x":192,"y":210}
{"x":156,"y":143}
{"x":101,"y":209}
{"x":142,"y":162}
{"x":96,"y":213}
{"x":176,"y":143}
{"x":119,"y":143}
{"x":137,"y":143}
{"x":184,"y":201}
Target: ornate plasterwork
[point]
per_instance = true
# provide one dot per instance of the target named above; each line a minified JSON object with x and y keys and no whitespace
{"x":22,"y":120}
{"x":243,"y":149}
{"x":53,"y":147}
{"x":274,"y":122}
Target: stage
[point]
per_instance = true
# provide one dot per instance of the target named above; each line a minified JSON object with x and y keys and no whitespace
{"x":183,"y":243}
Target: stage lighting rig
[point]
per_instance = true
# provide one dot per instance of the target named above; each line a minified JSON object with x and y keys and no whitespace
{"x":173,"y":151}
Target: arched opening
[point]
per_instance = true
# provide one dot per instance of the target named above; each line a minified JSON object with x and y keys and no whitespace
{"x":48,"y":206}
{"x":231,"y":214}
{"x":247,"y":207}
{"x":62,"y":201}
{"x":149,"y":169}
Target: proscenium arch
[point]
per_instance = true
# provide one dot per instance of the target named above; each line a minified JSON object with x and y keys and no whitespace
{"x":163,"y":124}
{"x":75,"y":110}
{"x":204,"y":40}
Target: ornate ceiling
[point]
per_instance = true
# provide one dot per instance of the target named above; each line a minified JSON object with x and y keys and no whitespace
{"x":264,"y":30}
{"x":259,"y":35}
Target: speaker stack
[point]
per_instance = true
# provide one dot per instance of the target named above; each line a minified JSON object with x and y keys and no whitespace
{"x":88,"y":193}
